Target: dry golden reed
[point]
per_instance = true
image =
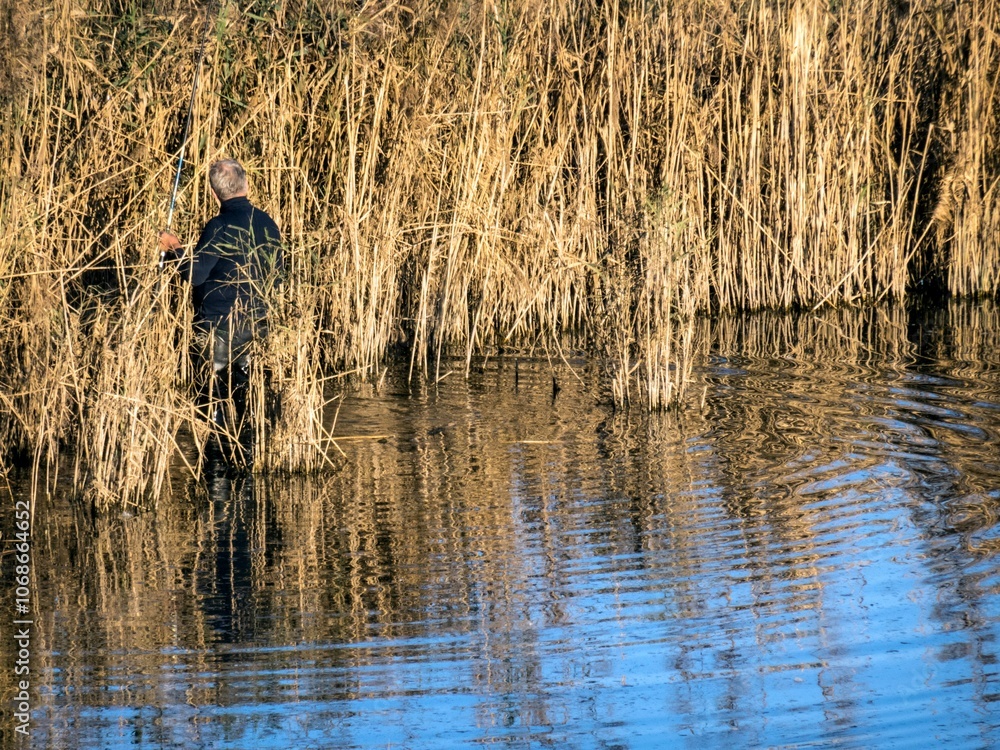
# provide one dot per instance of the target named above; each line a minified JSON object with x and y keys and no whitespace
{"x":456,"y":177}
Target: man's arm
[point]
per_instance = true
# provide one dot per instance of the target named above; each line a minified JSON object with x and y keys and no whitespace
{"x":198,"y":265}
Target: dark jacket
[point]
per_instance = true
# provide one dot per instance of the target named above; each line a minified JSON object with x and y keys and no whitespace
{"x":238,"y":253}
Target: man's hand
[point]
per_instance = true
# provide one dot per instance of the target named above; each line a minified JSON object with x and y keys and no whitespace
{"x":169,"y":245}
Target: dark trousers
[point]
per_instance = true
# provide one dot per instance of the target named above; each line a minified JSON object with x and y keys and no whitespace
{"x":222,"y":357}
{"x":226,"y":344}
{"x":222,"y":360}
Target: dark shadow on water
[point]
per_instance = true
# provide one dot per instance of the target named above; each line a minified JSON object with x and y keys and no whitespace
{"x":225,"y":583}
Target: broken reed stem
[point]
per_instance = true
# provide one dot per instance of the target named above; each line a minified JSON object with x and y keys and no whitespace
{"x":462,"y":176}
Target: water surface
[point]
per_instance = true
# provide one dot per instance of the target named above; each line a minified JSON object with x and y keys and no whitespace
{"x":805,"y":554}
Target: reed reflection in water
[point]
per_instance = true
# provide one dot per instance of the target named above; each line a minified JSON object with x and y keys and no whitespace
{"x":804,"y":555}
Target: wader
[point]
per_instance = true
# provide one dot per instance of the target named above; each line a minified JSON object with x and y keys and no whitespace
{"x":223,"y":354}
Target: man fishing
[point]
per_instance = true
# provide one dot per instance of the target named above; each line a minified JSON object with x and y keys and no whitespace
{"x":237,"y":257}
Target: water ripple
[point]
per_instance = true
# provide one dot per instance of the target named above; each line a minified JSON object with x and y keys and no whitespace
{"x":805,"y":557}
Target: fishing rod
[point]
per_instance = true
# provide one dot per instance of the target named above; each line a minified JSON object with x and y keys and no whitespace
{"x":187,"y":124}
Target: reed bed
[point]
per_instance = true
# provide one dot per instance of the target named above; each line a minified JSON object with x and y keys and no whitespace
{"x":469,"y":177}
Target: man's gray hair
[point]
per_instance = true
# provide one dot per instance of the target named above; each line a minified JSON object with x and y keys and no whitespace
{"x":228,"y":178}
